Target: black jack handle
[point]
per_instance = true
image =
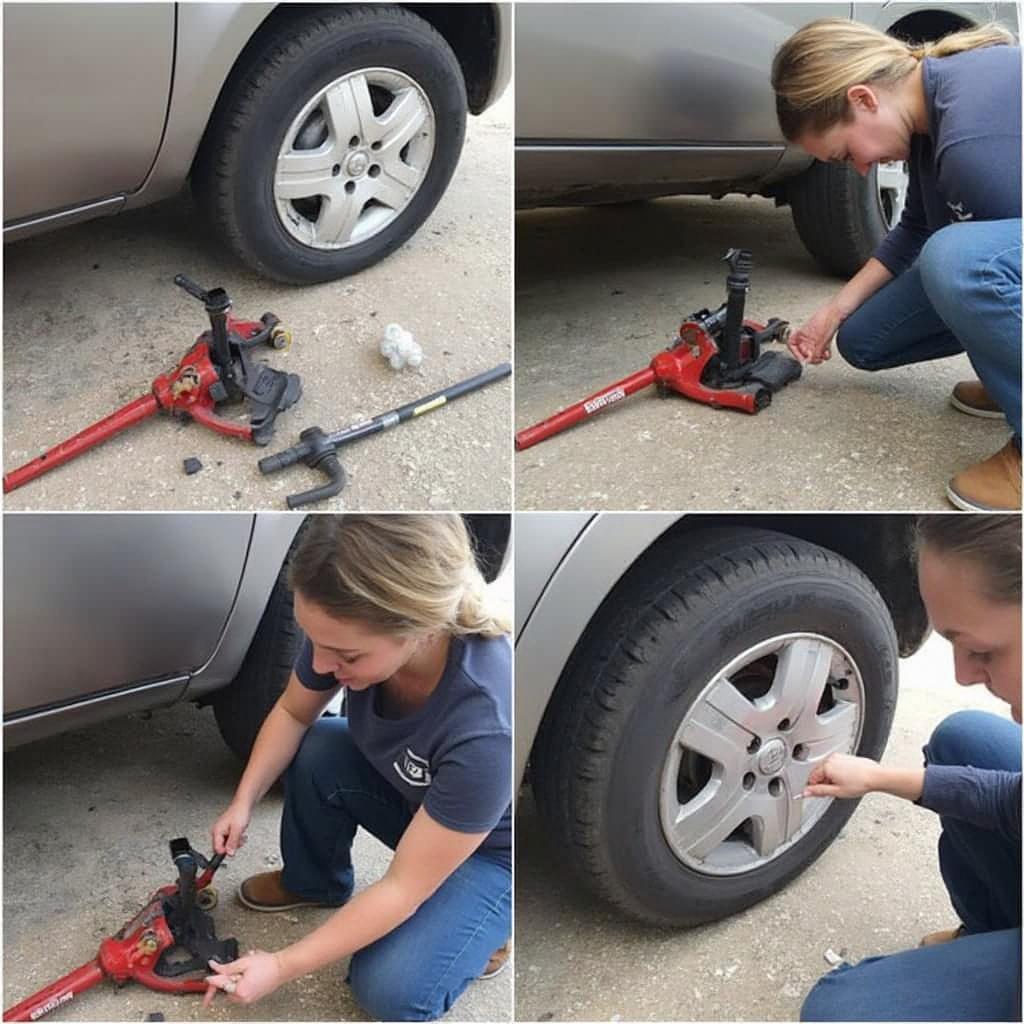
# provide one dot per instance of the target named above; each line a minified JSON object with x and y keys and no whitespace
{"x":319,"y":450}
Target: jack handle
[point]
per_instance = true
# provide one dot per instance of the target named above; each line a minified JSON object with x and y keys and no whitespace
{"x":319,"y":450}
{"x":57,"y":993}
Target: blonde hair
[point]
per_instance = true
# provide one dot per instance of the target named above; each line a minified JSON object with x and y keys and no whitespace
{"x":814,"y":68}
{"x":399,"y":574}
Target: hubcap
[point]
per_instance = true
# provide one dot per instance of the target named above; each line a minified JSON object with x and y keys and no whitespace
{"x":353,"y":158}
{"x":739,"y":761}
{"x":891,"y":182}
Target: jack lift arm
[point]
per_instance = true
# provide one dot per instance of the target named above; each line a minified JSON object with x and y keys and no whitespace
{"x":716,"y":359}
{"x":172,"y":936}
{"x":216,"y":369}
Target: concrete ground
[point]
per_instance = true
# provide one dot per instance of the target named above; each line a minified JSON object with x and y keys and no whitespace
{"x":91,"y":316}
{"x":599,"y":291}
{"x":87,"y":818}
{"x":875,"y":890}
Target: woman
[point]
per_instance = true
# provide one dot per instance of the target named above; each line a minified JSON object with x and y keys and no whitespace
{"x":969,"y":569}
{"x":947,"y":277}
{"x":395,"y":611}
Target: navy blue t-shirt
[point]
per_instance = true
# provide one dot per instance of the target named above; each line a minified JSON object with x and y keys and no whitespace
{"x":968,"y":165}
{"x":454,"y":754}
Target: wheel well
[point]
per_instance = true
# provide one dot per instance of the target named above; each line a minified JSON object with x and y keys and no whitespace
{"x":465,"y":27}
{"x":927,"y":26}
{"x":471,"y":30}
{"x":881,"y":546}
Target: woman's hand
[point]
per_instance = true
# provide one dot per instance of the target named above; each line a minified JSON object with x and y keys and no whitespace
{"x":228,"y":832}
{"x":843,"y":776}
{"x":245,"y":980}
{"x":812,"y":343}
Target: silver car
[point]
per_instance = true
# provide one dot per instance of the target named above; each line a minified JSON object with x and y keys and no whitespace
{"x":110,"y":614}
{"x":317,"y":138}
{"x":679,"y":676}
{"x":624,"y":101}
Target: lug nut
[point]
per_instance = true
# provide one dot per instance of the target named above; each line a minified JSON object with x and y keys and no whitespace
{"x":754,"y":746}
{"x":775,"y":787}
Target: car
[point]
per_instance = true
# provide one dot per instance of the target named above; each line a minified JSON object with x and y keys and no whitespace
{"x":316,"y":137}
{"x":678,"y":676}
{"x":621,"y":102}
{"x":109,"y":614}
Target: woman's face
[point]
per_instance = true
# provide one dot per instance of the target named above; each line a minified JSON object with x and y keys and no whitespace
{"x":986,"y":635}
{"x":876,"y":134}
{"x":348,"y":649}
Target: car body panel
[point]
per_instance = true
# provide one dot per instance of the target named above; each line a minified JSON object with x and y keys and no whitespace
{"x":86,"y":122}
{"x":201,"y":41}
{"x":79,"y":586}
{"x":272,"y":537}
{"x":622,"y":101}
{"x":147,"y":609}
{"x":564,"y":570}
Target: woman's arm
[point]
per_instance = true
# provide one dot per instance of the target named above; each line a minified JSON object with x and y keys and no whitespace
{"x":427,"y":854}
{"x":811,"y":342}
{"x":848,"y":777}
{"x":278,"y":740}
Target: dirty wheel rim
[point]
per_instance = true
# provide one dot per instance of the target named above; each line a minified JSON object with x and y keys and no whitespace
{"x":353,"y":158}
{"x":892,"y":179}
{"x":730,"y":785}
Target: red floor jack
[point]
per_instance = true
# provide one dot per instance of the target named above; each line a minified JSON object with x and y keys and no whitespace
{"x":216,"y":369}
{"x":172,"y":936}
{"x":716,"y":359}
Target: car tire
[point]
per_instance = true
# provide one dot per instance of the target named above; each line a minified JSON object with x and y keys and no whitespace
{"x":234,"y":172}
{"x":838,"y":215}
{"x":681,"y":613}
{"x":242,"y":705}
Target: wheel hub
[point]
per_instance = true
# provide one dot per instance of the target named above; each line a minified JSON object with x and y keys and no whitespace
{"x":734,"y":771}
{"x":353,"y":158}
{"x":357,"y":165}
{"x":772,"y":757}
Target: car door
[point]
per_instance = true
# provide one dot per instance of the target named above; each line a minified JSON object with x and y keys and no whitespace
{"x":94,"y":604}
{"x":662,"y":97}
{"x":86,"y":89}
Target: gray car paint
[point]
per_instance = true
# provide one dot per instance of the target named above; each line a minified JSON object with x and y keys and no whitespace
{"x":670,"y":98}
{"x":105,"y":77}
{"x":565,"y":568}
{"x":210,"y":37}
{"x":106,"y":614}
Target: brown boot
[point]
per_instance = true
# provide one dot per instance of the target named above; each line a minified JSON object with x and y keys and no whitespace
{"x":498,"y":960}
{"x":970,"y":396}
{"x":989,"y":486}
{"x":265,"y":892}
{"x":938,"y":938}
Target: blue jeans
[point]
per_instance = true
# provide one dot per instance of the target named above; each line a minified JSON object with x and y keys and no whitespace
{"x":975,"y":977}
{"x":418,"y":970}
{"x":962,"y":295}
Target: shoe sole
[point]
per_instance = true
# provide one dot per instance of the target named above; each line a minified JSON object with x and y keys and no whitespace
{"x":967,"y":506}
{"x":973,"y":410}
{"x":264,"y":909}
{"x":495,"y":972}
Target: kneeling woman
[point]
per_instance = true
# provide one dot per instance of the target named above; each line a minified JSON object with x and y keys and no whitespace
{"x":394,"y":610}
{"x":969,"y":568}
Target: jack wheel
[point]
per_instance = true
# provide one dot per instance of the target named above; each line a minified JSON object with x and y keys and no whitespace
{"x":207,"y":899}
{"x":762,"y":399}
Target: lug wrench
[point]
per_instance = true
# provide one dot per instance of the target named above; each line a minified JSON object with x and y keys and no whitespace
{"x":319,"y":450}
